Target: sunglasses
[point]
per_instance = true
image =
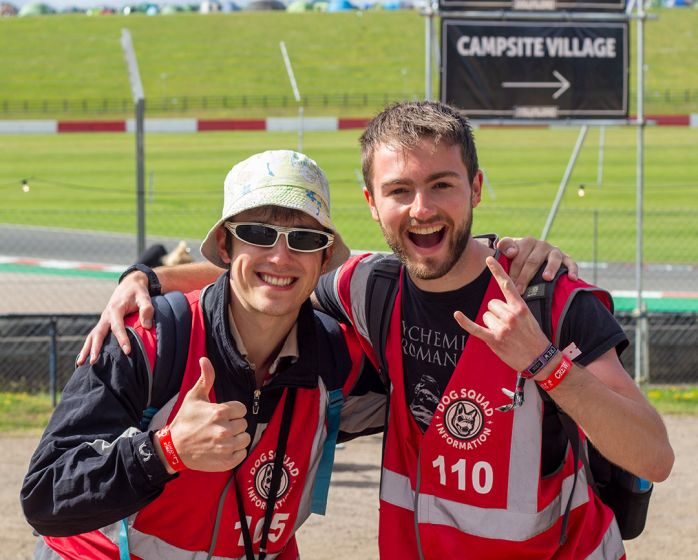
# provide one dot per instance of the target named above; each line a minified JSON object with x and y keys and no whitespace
{"x":265,"y":235}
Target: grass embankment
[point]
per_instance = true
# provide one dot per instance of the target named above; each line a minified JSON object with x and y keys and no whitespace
{"x":69,"y":57}
{"x":373,"y":53}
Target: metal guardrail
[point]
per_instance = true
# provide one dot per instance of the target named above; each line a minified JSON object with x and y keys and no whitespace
{"x":37,"y":352}
{"x":196,"y":103}
{"x":190,"y":103}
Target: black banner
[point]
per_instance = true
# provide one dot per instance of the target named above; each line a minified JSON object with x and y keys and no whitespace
{"x":532,"y":70}
{"x":534,"y":5}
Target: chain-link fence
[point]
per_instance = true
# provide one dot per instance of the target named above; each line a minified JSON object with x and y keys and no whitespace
{"x":658,"y":101}
{"x":56,"y":278}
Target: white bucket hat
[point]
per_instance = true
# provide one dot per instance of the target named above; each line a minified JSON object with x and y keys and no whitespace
{"x":277,"y":178}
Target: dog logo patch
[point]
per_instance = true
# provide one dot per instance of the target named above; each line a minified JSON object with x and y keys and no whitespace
{"x":262,"y":481}
{"x":464,"y":419}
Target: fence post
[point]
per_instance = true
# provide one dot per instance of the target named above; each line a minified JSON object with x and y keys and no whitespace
{"x":595,"y":245}
{"x":52,"y":360}
{"x":642,"y":346}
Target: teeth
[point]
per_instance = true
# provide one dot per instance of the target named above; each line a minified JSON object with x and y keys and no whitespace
{"x":425,"y":230}
{"x":276,"y":280}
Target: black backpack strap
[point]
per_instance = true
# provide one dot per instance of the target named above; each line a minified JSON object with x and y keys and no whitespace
{"x":381,"y":291}
{"x":539,"y":298}
{"x":172,"y":320}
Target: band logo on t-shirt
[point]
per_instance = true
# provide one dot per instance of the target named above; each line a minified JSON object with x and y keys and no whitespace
{"x":432,"y":346}
{"x":432,"y":343}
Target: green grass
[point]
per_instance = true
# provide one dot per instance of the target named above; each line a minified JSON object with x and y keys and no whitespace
{"x":25,"y":412}
{"x":75,"y":56}
{"x":86,"y":181}
{"x":236,"y":54}
{"x":22,"y":411}
{"x":674,"y":399}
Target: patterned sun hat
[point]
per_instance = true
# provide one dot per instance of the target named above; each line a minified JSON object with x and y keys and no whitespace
{"x":277,"y":178}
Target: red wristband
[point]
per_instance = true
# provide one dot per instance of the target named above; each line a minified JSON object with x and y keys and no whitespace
{"x":171,"y":456}
{"x":552,"y":381}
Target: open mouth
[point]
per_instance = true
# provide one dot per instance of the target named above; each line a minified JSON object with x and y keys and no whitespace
{"x":277,"y":281}
{"x":426,"y":236}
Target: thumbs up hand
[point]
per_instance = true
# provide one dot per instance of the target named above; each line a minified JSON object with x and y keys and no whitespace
{"x":209,"y":436}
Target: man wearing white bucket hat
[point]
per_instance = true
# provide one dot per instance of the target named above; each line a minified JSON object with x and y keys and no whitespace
{"x":245,"y":430}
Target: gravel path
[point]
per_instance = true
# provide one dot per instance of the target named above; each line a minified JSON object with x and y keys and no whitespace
{"x":349,"y":531}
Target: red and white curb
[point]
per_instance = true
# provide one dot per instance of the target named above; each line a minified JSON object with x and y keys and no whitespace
{"x":654,"y":294}
{"x":53,"y":264}
{"x":271,"y":124}
{"x":62,"y":265}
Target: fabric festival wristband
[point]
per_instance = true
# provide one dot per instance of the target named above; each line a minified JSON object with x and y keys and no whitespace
{"x":171,"y":456}
{"x":556,"y":376}
{"x":540,"y":362}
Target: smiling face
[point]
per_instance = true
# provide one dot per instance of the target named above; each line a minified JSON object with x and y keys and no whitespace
{"x":423,"y":200}
{"x":272,"y":281}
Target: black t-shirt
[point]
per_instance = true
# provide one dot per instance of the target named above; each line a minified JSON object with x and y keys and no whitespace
{"x":432,"y":340}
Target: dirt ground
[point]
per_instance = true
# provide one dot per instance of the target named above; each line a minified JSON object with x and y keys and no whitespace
{"x":349,"y":531}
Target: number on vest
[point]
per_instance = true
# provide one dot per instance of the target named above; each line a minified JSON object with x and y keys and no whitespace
{"x":481,"y":476}
{"x":278,"y":524}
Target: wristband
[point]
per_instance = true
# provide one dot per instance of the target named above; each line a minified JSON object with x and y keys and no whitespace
{"x":171,"y":456}
{"x":553,"y":380}
{"x":540,"y":362}
{"x":154,"y":288}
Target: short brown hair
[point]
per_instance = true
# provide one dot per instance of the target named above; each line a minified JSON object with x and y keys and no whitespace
{"x":406,"y":123}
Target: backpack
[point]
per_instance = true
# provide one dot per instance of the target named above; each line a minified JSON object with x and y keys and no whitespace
{"x":172,"y":321}
{"x":627,"y":495}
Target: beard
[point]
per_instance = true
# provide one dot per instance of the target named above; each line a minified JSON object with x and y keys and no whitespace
{"x":431,"y":268}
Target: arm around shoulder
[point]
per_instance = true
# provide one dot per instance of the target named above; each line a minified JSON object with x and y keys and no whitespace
{"x":187,"y":277}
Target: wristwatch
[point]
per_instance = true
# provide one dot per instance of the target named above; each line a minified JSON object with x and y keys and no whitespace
{"x":154,"y":288}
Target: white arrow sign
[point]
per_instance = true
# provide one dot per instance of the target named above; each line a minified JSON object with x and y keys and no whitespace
{"x":562,"y":84}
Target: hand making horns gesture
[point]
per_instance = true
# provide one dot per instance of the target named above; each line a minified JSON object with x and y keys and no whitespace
{"x":511,"y":331}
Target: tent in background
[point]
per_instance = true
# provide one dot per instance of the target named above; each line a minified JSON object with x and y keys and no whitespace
{"x":35,"y":9}
{"x":298,"y":6}
{"x":340,"y":6}
{"x":265,"y":5}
